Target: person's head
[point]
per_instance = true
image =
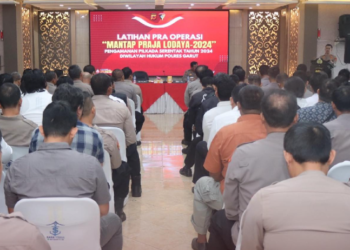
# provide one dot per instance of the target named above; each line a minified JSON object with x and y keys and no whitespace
{"x":59,"y":123}
{"x":193,"y":66}
{"x":86,"y":77}
{"x":316,"y":80}
{"x":75,"y":72}
{"x":308,"y":146}
{"x":5,"y":78}
{"x":101,"y":84}
{"x":345,"y":73}
{"x":207,"y":81}
{"x":302,"y":75}
{"x":205,"y":73}
{"x":59,"y":72}
{"x":281,"y":79}
{"x":302,"y":67}
{"x":328,"y":48}
{"x":235,"y":92}
{"x":249,"y":99}
{"x":89,"y":110}
{"x":16,"y":78}
{"x":263,"y":70}
{"x":341,"y":100}
{"x":279,"y":110}
{"x":199,"y":70}
{"x":63,"y":80}
{"x":33,"y":82}
{"x":127,"y":73}
{"x":223,"y":86}
{"x":10,"y":97}
{"x":296,"y":86}
{"x":273,"y":73}
{"x":326,"y":90}
{"x":72,"y":95}
{"x":340,"y":80}
{"x":50,"y":76}
{"x":240,"y":72}
{"x":38,"y":72}
{"x":254,"y":80}
{"x":235,"y":68}
{"x":117,"y":75}
{"x":89,"y":69}
{"x":26,"y":71}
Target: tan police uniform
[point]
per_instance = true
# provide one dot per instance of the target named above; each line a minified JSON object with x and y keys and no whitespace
{"x":83,"y":86}
{"x":192,"y":88}
{"x":137,"y":89}
{"x":127,"y":89}
{"x":189,"y":73}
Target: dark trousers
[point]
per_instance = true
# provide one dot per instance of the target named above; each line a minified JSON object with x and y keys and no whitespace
{"x":187,"y":128}
{"x":121,"y":180}
{"x":133,"y":160}
{"x":220,"y":232}
{"x":201,"y":154}
{"x":140,"y":119}
{"x":190,"y":157}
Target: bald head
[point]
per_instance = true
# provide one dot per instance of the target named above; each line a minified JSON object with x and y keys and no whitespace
{"x":117,"y":75}
{"x":87,"y":77}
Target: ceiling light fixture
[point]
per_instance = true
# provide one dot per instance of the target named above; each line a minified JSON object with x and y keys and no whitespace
{"x":61,"y":5}
{"x":69,"y":8}
{"x":192,"y":4}
{"x":127,"y":6}
{"x":250,"y":8}
{"x":258,"y":4}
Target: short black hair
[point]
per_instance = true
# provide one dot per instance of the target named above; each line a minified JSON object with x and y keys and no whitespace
{"x":250,"y":98}
{"x":340,"y":80}
{"x":301,"y":74}
{"x":100,"y":84}
{"x":236,"y":67}
{"x":206,"y":81}
{"x":302,"y":67}
{"x":33,"y":82}
{"x":38,"y":72}
{"x":279,"y":108}
{"x":341,"y":98}
{"x":199,"y":69}
{"x":240,"y":72}
{"x":117,"y":75}
{"x":316,"y":80}
{"x":127,"y":72}
{"x":89,"y":68}
{"x":59,"y":72}
{"x":72,"y":95}
{"x":205,"y":73}
{"x":88,"y":103}
{"x":296,"y":86}
{"x":273,"y":72}
{"x":5,"y":78}
{"x":254,"y":79}
{"x":63,"y":80}
{"x":345,"y":73}
{"x":308,"y":142}
{"x":74,"y":72}
{"x":326,"y":90}
{"x":26,"y":71}
{"x":50,"y":75}
{"x":58,"y":119}
{"x":282,"y":78}
{"x":235,"y":91}
{"x":9,"y":95}
{"x":193,"y":63}
{"x":224,"y":85}
{"x":264,"y":70}
{"x":330,"y":45}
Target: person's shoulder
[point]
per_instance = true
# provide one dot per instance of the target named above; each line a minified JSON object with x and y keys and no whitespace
{"x":29,"y":123}
{"x":332,"y":124}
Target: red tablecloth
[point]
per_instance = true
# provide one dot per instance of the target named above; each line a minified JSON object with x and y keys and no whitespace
{"x":151,"y":92}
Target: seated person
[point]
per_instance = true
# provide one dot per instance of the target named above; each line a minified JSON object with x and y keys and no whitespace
{"x":304,"y":76}
{"x":322,"y":111}
{"x":87,"y":140}
{"x":76,"y":75}
{"x":86,"y":77}
{"x":63,"y":80}
{"x":89,"y":69}
{"x":342,"y":73}
{"x":281,"y":80}
{"x":59,"y":73}
{"x":296,"y":86}
{"x":5,"y":78}
{"x":339,"y":128}
{"x":195,"y":86}
{"x":114,"y":114}
{"x":6,"y":151}
{"x":36,"y":97}
{"x":273,"y":72}
{"x":190,"y":75}
{"x":44,"y":172}
{"x":291,"y":214}
{"x":264,"y":74}
{"x":16,"y":129}
{"x":16,"y":78}
{"x":315,"y":81}
{"x":51,"y":80}
{"x":248,"y":128}
{"x":128,"y":78}
{"x":254,"y":80}
{"x":120,"y":86}
{"x":254,"y":166}
{"x":240,"y":73}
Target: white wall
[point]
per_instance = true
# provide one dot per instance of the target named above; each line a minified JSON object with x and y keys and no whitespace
{"x":2,"y":70}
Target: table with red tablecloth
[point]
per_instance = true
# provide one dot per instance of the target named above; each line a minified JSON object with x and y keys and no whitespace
{"x":163,"y":98}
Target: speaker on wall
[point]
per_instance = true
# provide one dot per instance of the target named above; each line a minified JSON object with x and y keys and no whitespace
{"x":344,"y":32}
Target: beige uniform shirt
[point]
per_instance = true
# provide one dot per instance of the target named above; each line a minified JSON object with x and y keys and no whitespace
{"x":308,"y":212}
{"x":192,"y":88}
{"x":51,"y":87}
{"x":252,"y":167}
{"x":189,"y":73}
{"x":114,"y":114}
{"x":18,"y":234}
{"x":340,"y":134}
{"x":127,"y":89}
{"x":111,"y":145}
{"x":17,"y":130}
{"x":83,"y":86}
{"x":137,"y":89}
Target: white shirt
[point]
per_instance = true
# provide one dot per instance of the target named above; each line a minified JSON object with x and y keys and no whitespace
{"x":302,"y":102}
{"x":209,"y":116}
{"x":6,"y":151}
{"x":223,"y":120}
{"x":312,"y":100}
{"x":114,"y":98}
{"x":33,"y":105}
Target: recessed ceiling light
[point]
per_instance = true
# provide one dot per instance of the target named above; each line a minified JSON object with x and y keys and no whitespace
{"x":78,"y":12}
{"x":126,"y":5}
{"x":61,"y":5}
{"x":258,"y":4}
{"x":82,"y":16}
{"x":69,"y":8}
{"x":250,"y":8}
{"x":192,"y":4}
{"x":129,"y":8}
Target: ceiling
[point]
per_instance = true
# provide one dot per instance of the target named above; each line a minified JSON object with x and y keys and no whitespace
{"x":163,"y":4}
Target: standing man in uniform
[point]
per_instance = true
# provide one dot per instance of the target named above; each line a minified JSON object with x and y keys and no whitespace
{"x":191,"y":73}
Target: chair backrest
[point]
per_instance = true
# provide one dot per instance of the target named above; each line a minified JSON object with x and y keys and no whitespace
{"x":132,"y":106}
{"x":141,"y":76}
{"x":121,"y":139}
{"x":340,"y":172}
{"x":3,"y":207}
{"x":66,"y":223}
{"x":18,"y":152}
{"x":138,"y":108}
{"x":107,"y":169}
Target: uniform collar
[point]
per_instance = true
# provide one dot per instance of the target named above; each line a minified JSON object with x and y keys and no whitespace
{"x":312,"y":172}
{"x":53,"y":146}
{"x":223,"y":103}
{"x":344,"y":117}
{"x":100,"y":97}
{"x":250,"y":117}
{"x":17,"y":215}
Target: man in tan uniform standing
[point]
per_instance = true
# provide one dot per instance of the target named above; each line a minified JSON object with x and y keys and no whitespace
{"x":310,"y":211}
{"x":190,"y":73}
